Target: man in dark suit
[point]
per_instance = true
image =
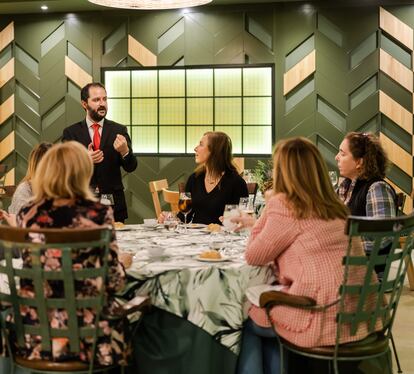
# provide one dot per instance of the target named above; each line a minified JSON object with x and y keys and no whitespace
{"x":108,"y":144}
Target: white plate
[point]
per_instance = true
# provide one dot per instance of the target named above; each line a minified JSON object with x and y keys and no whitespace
{"x":124,"y":228}
{"x":222,"y":259}
{"x":196,"y":226}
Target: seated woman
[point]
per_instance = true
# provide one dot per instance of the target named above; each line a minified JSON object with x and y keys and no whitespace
{"x":215,"y":181}
{"x":362,"y":162}
{"x":302,"y":231}
{"x":23,"y":192}
{"x":62,"y":199}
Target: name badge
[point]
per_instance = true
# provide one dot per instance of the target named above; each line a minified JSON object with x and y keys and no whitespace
{"x":107,"y":199}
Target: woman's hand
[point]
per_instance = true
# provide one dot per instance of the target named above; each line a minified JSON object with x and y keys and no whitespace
{"x":162,"y":217}
{"x":244,"y":221}
{"x":125,"y":259}
{"x":9,"y":218}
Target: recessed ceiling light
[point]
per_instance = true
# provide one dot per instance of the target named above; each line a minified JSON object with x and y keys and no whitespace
{"x":44,"y":7}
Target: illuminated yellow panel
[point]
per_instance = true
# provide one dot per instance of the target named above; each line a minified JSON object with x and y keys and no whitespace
{"x":194,"y":134}
{"x":257,"y":82}
{"x":235,"y":135}
{"x":172,"y":82}
{"x":119,"y":111}
{"x":200,"y":111}
{"x":172,"y":139}
{"x":227,"y":82}
{"x":144,"y":139}
{"x":172,"y":111}
{"x":144,"y":112}
{"x":257,"y":111}
{"x":144,"y":83}
{"x":117,"y":83}
{"x":200,"y":82}
{"x":228,"y":111}
{"x":257,"y":140}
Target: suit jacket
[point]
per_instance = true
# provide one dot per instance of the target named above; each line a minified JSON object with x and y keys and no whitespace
{"x":107,"y":174}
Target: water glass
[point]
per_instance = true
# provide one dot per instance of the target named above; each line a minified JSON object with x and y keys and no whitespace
{"x":230,"y":211}
{"x":246,"y":205}
{"x":333,"y":176}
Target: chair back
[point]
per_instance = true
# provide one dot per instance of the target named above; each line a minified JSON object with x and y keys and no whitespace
{"x":172,"y":198}
{"x":156,"y":187}
{"x":34,"y":245}
{"x":239,"y":163}
{"x":365,"y":303}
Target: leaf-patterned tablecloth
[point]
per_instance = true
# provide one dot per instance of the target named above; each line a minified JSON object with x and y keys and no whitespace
{"x":209,"y":295}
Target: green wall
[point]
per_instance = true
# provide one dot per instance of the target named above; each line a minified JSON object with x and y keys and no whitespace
{"x":340,"y":96}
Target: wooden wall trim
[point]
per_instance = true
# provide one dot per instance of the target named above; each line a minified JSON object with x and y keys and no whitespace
{"x":396,"y":70}
{"x":7,"y":72}
{"x":397,"y":155}
{"x":6,"y":109}
{"x":396,"y":28}
{"x":6,"y":36}
{"x":299,"y":72}
{"x":140,"y":53}
{"x":7,"y":146}
{"x":76,"y":74}
{"x":394,"y":111}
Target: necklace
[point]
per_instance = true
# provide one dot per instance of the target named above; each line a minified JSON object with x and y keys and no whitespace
{"x":210,"y":180}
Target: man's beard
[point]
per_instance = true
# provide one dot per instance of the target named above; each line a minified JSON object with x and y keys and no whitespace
{"x":94,"y":115}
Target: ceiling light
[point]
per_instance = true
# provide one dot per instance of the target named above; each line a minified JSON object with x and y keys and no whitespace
{"x":150,"y":4}
{"x":44,"y":7}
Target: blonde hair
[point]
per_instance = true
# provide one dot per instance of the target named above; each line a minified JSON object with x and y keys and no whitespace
{"x":35,"y":156}
{"x":301,"y":174}
{"x":64,"y":172}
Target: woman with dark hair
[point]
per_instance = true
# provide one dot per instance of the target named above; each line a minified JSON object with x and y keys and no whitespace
{"x":363,"y":162}
{"x":215,"y":181}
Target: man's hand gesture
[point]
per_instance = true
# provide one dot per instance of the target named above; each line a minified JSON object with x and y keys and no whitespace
{"x":121,"y":145}
{"x":97,"y":156}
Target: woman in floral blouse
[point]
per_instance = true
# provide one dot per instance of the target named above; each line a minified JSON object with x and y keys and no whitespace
{"x":62,"y":199}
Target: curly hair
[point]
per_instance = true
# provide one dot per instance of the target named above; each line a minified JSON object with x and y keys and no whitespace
{"x":366,"y":146}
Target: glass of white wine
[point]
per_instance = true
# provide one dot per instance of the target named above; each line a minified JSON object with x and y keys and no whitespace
{"x":333,"y":176}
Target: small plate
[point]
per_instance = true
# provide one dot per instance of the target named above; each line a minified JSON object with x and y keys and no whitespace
{"x":125,"y":228}
{"x":222,"y":259}
{"x":196,"y":226}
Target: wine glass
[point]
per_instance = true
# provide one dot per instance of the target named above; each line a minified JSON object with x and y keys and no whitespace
{"x":246,"y":205}
{"x":184,"y":206}
{"x":230,"y":211}
{"x":333,"y":176}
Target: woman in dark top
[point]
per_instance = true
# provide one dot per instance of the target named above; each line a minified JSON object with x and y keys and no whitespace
{"x":215,"y":181}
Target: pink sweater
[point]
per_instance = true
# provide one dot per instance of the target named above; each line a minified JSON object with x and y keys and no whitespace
{"x":308,"y":254}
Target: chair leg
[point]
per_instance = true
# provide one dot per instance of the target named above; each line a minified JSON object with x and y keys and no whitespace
{"x":395,"y":354}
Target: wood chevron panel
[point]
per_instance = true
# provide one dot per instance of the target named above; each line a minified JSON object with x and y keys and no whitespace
{"x":394,"y":111}
{"x":141,"y":54}
{"x":408,"y":206}
{"x":397,"y":155}
{"x":10,"y":177}
{"x":6,"y":109}
{"x":7,"y":146}
{"x":6,"y":36}
{"x":6,"y":72}
{"x":299,"y":72}
{"x":76,"y":74}
{"x":396,"y":70}
{"x":396,"y":28}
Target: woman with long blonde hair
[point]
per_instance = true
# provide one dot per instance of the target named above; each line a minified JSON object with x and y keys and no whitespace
{"x":301,"y":231}
{"x":62,"y":199}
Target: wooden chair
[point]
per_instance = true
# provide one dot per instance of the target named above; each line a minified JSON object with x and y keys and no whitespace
{"x":172,"y":198}
{"x":12,"y":242}
{"x":239,"y":162}
{"x":156,"y":187}
{"x":348,"y":316}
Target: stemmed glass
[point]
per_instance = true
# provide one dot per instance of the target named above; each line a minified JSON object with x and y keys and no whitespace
{"x":184,"y":206}
{"x":333,"y":176}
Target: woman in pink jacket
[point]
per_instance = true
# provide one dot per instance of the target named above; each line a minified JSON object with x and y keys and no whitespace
{"x":302,"y":232}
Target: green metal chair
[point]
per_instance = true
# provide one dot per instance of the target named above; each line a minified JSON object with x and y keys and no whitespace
{"x":13,"y":241}
{"x":383,"y":297}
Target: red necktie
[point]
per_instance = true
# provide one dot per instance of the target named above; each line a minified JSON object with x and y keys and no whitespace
{"x":96,"y":137}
